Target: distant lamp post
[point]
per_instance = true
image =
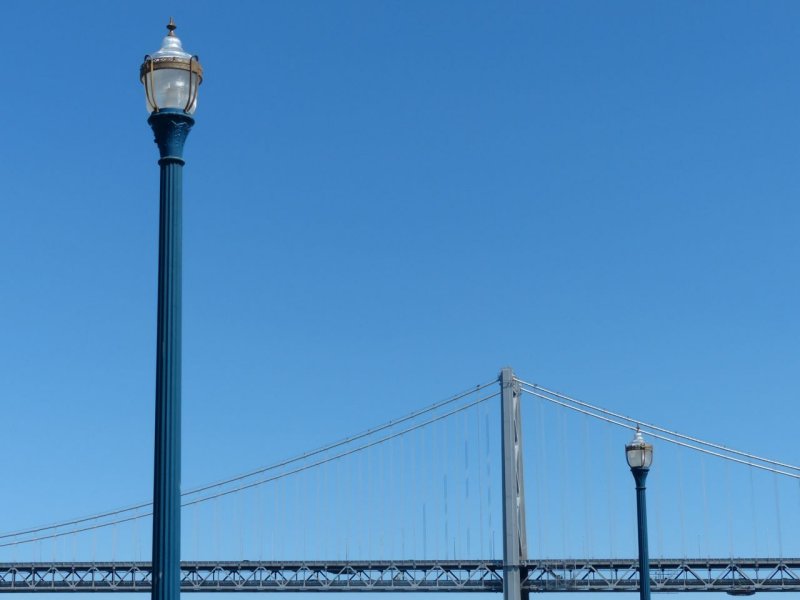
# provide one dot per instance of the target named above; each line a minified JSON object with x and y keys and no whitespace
{"x":171,"y":78}
{"x":640,"y":456}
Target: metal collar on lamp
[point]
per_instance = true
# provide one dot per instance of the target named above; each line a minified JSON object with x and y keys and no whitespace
{"x":638,"y":452}
{"x":171,"y":76}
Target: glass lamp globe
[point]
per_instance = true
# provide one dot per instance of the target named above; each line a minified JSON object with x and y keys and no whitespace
{"x":171,"y":76}
{"x":638,"y":452}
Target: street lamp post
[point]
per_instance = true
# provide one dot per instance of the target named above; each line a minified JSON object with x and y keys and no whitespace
{"x":171,"y":78}
{"x":640,"y":456}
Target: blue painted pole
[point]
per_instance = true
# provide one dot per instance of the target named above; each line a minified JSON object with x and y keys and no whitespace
{"x":640,"y":475}
{"x":170,"y":129}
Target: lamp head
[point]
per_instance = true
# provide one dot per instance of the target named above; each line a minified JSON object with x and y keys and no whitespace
{"x":638,"y":452}
{"x":171,"y":76}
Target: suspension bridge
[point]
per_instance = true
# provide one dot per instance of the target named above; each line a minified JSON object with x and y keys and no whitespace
{"x":439,"y":500}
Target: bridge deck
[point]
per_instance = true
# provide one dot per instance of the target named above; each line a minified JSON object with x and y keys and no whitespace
{"x":737,"y":576}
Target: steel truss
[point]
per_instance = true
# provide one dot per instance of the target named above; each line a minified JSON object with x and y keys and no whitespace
{"x":735,"y":576}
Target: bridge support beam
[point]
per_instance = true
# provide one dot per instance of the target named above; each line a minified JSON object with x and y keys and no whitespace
{"x":514,"y":540}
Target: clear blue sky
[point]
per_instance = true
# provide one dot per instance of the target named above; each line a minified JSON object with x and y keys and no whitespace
{"x":384,"y":204}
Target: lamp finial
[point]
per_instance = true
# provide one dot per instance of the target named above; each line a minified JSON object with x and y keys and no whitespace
{"x":172,"y":27}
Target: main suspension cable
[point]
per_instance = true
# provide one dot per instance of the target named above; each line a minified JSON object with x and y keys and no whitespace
{"x":253,"y":484}
{"x":660,"y":429}
{"x":656,"y":435}
{"x":272,"y":467}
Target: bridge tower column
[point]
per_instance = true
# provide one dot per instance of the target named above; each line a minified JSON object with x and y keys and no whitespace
{"x":514,"y":540}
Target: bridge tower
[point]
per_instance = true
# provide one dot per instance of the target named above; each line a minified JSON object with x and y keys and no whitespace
{"x":514,"y":543}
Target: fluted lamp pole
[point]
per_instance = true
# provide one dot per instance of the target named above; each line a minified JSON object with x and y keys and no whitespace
{"x":171,"y":79}
{"x":640,"y":456}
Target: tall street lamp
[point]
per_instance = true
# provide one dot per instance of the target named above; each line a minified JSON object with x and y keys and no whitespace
{"x":640,"y":456}
{"x":171,"y":78}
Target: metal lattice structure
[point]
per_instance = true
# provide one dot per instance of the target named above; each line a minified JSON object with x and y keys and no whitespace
{"x":738,"y":576}
{"x":734,"y":576}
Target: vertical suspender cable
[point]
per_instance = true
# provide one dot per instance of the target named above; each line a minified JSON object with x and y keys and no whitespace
{"x":384,"y":501}
{"x":403,"y":485}
{"x":277,"y":522}
{"x":468,"y":515}
{"x":94,"y":543}
{"x":705,"y":508}
{"x":778,"y":516}
{"x":373,"y":481}
{"x":326,"y":515}
{"x":349,"y":506}
{"x":238,"y":520}
{"x":459,"y":529}
{"x":319,"y":533}
{"x":478,"y":414}
{"x":288,"y":534}
{"x":358,"y":502}
{"x":539,"y":479}
{"x":336,"y":516}
{"x":399,"y":492}
{"x":303,"y":506}
{"x":195,"y":538}
{"x":380,"y":473}
{"x":216,"y":528}
{"x":389,"y":512}
{"x":545,"y":520}
{"x":137,"y":553}
{"x":414,"y":494}
{"x":393,"y":506}
{"x":453,"y":462}
{"x":428,"y":492}
{"x":563,"y":486}
{"x":587,"y":492}
{"x":489,"y":482}
{"x":611,"y":512}
{"x":753,"y":513}
{"x":424,"y":532}
{"x":288,"y":527}
{"x":659,"y":529}
{"x":376,"y":498}
{"x":370,"y":505}
{"x":272,"y":530}
{"x":798,"y":501}
{"x":446,"y":516}
{"x":366,"y":532}
{"x":681,"y":503}
{"x":446,"y":525}
{"x":261,"y":516}
{"x":729,"y":495}
{"x":362,"y":526}
{"x":253,"y":525}
{"x":249,"y":525}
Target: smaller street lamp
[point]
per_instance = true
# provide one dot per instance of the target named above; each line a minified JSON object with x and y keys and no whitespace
{"x":640,"y":456}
